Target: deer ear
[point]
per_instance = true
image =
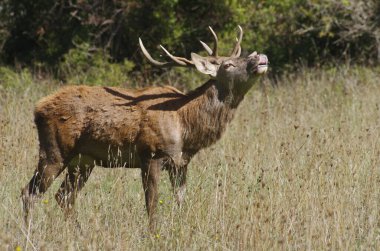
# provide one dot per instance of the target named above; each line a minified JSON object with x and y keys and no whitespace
{"x":204,"y":65}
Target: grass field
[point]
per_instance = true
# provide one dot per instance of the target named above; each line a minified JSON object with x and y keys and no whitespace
{"x":298,"y":168}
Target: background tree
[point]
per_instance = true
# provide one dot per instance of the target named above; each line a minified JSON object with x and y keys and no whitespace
{"x":313,"y":32}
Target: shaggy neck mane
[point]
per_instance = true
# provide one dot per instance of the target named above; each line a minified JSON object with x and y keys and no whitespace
{"x":206,"y":115}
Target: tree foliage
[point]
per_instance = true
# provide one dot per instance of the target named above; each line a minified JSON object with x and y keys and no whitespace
{"x":290,"y":31}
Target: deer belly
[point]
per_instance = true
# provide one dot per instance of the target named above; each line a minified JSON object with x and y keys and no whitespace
{"x":111,"y":156}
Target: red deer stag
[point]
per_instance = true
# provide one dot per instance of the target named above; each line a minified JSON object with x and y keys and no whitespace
{"x":155,"y":128}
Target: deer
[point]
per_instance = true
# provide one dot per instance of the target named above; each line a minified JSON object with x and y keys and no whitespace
{"x":153,"y":128}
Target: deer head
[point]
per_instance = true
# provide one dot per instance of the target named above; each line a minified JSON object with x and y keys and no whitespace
{"x":233,"y":74}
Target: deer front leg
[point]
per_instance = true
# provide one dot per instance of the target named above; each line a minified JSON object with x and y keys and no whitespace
{"x":150,"y":174}
{"x":178,"y":180}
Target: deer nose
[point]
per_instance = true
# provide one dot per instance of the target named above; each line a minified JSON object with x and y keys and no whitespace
{"x":261,"y":58}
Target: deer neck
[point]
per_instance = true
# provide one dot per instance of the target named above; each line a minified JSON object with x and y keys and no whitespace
{"x":205,"y":117}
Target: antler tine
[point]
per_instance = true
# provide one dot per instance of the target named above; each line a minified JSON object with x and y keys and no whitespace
{"x":215,"y":50}
{"x":237,"y":49}
{"x":149,"y":57}
{"x":174,"y":58}
{"x":178,"y":61}
{"x":207,"y":48}
{"x":238,"y":52}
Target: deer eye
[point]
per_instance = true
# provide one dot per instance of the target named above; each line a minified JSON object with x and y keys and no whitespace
{"x":228,"y":65}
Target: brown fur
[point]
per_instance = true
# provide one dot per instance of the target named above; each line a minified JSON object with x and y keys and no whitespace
{"x":152,"y":129}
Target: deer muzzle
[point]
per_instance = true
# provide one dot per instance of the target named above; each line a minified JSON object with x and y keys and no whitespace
{"x":259,"y":62}
{"x":262,"y":67}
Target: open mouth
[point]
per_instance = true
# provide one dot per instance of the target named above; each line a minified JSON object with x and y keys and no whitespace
{"x":262,"y":67}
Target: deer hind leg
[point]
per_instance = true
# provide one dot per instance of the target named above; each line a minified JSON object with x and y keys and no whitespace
{"x":178,"y":180}
{"x":47,"y":171}
{"x":76,"y":177}
{"x":52,"y":161}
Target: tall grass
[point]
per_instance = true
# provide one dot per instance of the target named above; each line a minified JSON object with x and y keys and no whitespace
{"x":298,"y":168}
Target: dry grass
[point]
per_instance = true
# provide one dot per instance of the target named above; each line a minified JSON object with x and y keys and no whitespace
{"x":298,"y":169}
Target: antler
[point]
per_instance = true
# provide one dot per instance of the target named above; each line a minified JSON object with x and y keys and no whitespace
{"x":177,"y":61}
{"x":237,"y":49}
{"x":184,"y":62}
{"x":213,"y":52}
